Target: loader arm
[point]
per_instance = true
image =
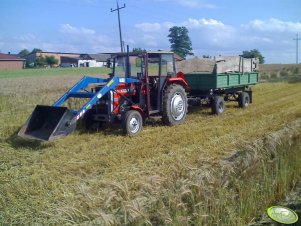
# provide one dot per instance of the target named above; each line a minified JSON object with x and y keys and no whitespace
{"x":52,"y":122}
{"x":111,"y":85}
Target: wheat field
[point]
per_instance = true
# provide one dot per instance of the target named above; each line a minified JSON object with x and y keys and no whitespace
{"x":105,"y":178}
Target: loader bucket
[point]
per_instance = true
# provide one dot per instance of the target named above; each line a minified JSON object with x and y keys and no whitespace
{"x":48,"y":123}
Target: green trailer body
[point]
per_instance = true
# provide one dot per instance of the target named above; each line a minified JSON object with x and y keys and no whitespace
{"x":199,"y":81}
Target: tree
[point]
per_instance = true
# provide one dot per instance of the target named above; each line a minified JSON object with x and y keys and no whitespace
{"x":138,"y":50}
{"x":40,"y":61}
{"x":23,"y":52}
{"x":253,"y":54}
{"x":180,"y":41}
{"x":51,"y":60}
{"x":36,"y":50}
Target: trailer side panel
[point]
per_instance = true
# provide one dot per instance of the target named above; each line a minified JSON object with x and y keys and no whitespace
{"x":203,"y":81}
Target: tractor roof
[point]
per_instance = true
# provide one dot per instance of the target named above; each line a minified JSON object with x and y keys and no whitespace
{"x":160,"y":52}
{"x":177,"y":57}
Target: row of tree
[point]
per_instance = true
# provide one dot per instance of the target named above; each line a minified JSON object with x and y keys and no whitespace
{"x":48,"y":60}
{"x":40,"y":61}
{"x":182,"y":45}
{"x":25,"y":52}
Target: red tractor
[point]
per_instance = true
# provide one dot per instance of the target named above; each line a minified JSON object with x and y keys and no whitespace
{"x":156,"y":91}
{"x":140,"y":86}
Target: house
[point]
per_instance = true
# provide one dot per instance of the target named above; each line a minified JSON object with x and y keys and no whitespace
{"x":30,"y":58}
{"x":9,"y":61}
{"x":85,"y":60}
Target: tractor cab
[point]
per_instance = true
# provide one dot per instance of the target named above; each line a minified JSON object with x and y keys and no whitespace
{"x":153,"y":64}
{"x":159,"y":67}
{"x":152,"y":69}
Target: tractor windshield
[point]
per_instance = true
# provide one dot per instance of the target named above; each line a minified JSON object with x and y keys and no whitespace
{"x":120,"y":66}
{"x":160,"y":64}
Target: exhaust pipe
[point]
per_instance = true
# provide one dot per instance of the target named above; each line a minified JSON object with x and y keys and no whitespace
{"x":47,"y":123}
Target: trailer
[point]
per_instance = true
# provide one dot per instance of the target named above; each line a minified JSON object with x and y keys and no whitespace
{"x":212,"y":82}
{"x":216,"y":89}
{"x":141,"y":86}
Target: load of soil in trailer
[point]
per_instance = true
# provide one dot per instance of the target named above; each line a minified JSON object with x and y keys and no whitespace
{"x":220,"y":72}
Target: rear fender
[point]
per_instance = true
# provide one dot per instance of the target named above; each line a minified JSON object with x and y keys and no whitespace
{"x":179,"y":80}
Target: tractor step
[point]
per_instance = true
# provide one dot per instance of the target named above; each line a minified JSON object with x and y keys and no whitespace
{"x":48,"y":123}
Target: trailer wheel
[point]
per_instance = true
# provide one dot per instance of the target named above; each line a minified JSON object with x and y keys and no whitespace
{"x":243,"y":100}
{"x":174,"y":105}
{"x":217,"y":105}
{"x":131,"y":122}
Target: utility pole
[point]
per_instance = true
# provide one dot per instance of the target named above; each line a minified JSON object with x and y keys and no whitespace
{"x":120,"y":35}
{"x":297,"y":40}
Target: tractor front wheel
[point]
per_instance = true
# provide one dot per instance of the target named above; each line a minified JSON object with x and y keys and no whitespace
{"x":131,"y":123}
{"x":174,"y":105}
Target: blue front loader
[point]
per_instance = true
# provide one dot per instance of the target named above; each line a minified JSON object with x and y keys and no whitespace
{"x":51,"y":122}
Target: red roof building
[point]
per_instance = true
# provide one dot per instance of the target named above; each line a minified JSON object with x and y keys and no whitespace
{"x":8,"y":61}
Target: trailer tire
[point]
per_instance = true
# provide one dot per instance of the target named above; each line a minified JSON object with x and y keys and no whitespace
{"x":217,"y":105}
{"x":175,"y":105}
{"x":243,"y":100}
{"x":131,"y":122}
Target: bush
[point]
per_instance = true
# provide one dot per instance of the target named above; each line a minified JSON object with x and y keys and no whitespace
{"x":273,"y":75}
{"x":296,"y":70}
{"x":40,"y":61}
{"x":294,"y":79}
{"x":264,"y":76}
{"x":283,"y":73}
{"x":51,"y":60}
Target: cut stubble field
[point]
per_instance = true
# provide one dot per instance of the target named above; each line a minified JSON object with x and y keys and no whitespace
{"x":107,"y":178}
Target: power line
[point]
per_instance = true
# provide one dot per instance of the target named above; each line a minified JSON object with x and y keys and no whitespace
{"x":120,"y":34}
{"x":297,"y":41}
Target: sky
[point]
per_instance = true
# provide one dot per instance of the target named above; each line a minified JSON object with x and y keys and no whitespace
{"x":216,"y":27}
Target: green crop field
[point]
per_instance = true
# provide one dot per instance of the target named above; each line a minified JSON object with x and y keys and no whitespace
{"x":105,"y":178}
{"x":42,"y":72}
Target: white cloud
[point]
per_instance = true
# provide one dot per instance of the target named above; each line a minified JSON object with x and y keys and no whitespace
{"x":150,"y":40}
{"x":275,"y":25}
{"x":194,"y":23}
{"x":190,"y":23}
{"x":195,"y":4}
{"x":26,"y":38}
{"x":86,"y":40}
{"x":148,"y":27}
{"x":68,"y":29}
{"x":154,"y":27}
{"x":70,"y":39}
{"x":258,"y":39}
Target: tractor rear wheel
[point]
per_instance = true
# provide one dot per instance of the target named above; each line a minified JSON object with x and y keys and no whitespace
{"x":217,"y":105}
{"x":174,"y":105}
{"x":131,"y":123}
{"x":243,"y":100}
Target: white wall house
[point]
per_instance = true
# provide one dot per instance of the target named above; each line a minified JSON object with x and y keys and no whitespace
{"x":85,"y":60}
{"x":90,"y":63}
